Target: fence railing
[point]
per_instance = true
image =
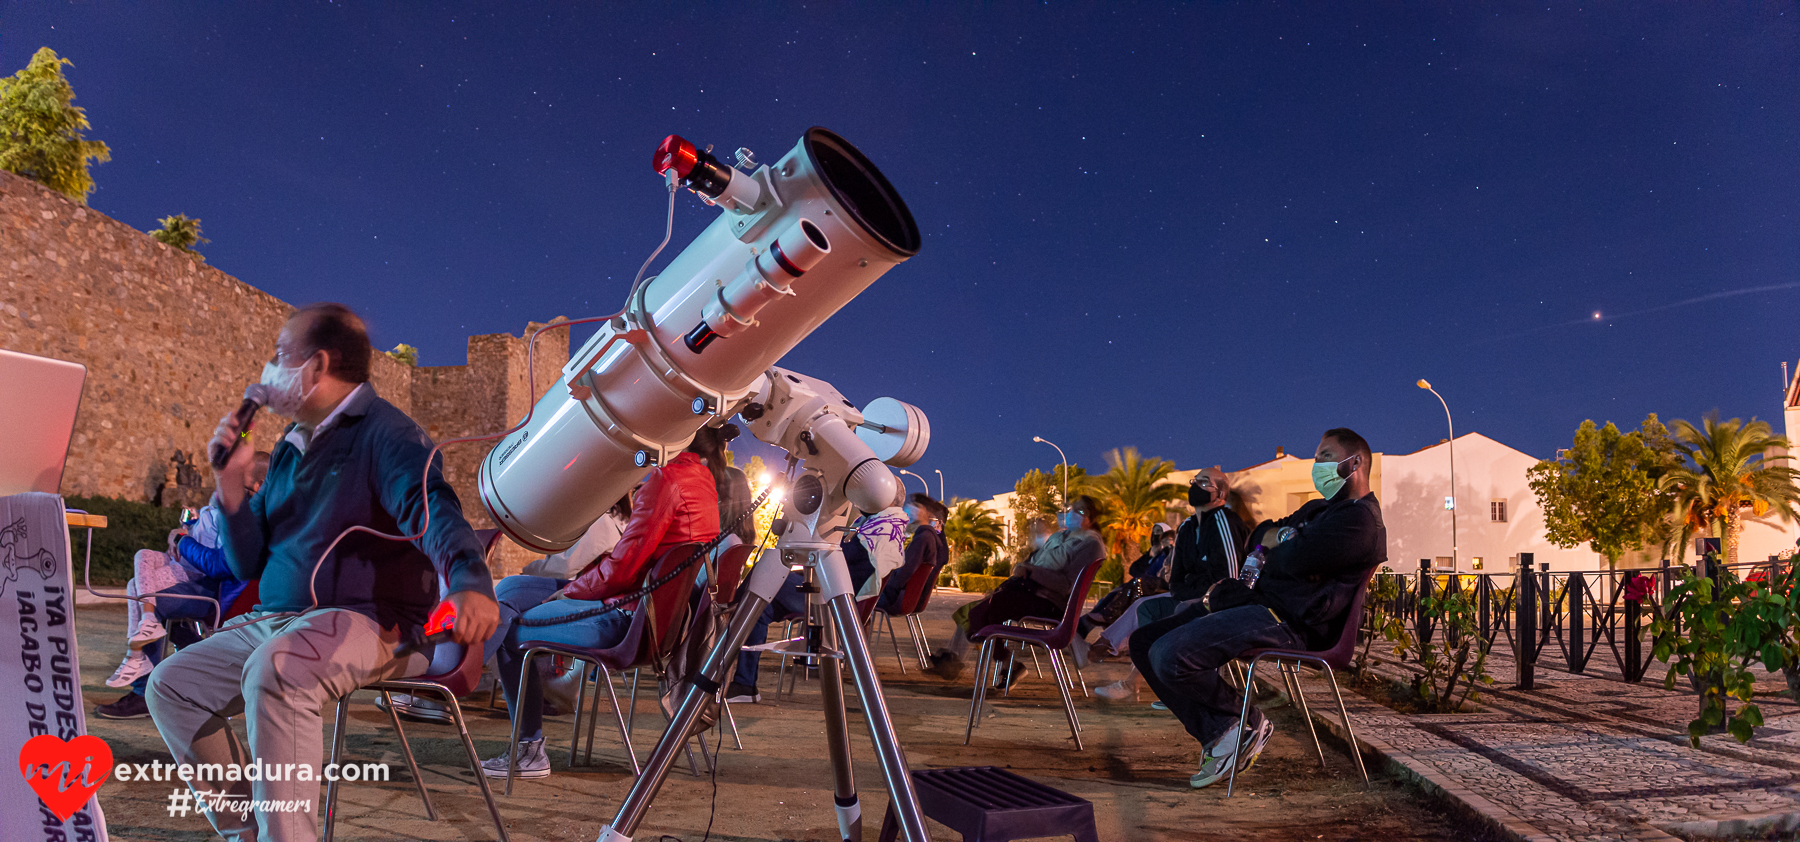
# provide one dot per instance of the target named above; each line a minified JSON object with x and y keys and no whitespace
{"x":1572,"y":615}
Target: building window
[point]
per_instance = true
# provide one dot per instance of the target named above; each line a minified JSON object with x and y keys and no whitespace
{"x":1497,"y":511}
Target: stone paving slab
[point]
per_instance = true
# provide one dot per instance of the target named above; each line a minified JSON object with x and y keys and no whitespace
{"x":1585,"y":758}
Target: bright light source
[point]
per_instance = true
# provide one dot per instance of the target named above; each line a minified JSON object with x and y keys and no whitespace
{"x":775,"y":496}
{"x":1449,"y":503}
{"x":1596,"y":315}
{"x":763,"y":478}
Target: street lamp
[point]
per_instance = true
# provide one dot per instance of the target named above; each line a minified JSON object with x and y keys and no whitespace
{"x":940,"y":484}
{"x":1065,"y":464}
{"x":920,"y":479}
{"x":1452,"y":425}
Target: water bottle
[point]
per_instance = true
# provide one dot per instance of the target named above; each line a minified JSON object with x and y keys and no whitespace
{"x":1252,"y":566}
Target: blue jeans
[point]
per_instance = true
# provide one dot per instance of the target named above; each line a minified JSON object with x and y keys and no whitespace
{"x":788,"y":602}
{"x":517,"y":595}
{"x":1180,"y":659}
{"x":587,"y":632}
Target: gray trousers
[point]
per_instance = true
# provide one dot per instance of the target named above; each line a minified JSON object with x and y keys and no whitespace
{"x":280,"y":674}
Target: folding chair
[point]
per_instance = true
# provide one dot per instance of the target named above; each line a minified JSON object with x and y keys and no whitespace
{"x":912,"y":603}
{"x":1289,"y":660}
{"x":648,"y":642}
{"x":1053,"y":641}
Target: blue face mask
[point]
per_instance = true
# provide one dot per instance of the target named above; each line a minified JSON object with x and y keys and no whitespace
{"x":1070,"y":520}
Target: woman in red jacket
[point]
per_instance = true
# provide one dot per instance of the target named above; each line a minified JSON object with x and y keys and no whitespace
{"x":677,"y":504}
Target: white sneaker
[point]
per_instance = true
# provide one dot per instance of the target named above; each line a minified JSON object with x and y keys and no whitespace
{"x":415,"y":708}
{"x":1259,"y":740}
{"x":1118,"y":691}
{"x":533,"y":762}
{"x":135,"y":666}
{"x":149,"y":628}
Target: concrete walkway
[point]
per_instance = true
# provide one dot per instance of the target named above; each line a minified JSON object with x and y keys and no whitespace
{"x":1591,"y":758}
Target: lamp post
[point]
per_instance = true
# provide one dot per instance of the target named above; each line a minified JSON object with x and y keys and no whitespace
{"x":1065,"y":464}
{"x":1452,"y":425}
{"x":940,"y":484}
{"x":920,"y":479}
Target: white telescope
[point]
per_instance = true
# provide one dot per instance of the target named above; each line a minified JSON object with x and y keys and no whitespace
{"x":794,"y":242}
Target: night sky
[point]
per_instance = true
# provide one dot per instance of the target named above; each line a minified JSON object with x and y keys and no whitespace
{"x":1205,"y":231}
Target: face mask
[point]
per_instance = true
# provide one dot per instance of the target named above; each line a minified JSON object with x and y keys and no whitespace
{"x":1198,"y":496}
{"x":1326,"y":479}
{"x":1070,"y":520}
{"x":285,"y":397}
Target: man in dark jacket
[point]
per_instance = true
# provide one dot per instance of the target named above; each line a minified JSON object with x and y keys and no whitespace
{"x":925,"y":548}
{"x":1317,"y":559}
{"x":321,"y":628}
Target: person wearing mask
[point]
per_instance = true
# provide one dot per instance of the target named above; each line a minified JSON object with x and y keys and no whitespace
{"x":194,"y":566}
{"x":326,"y":623}
{"x":1148,"y":578}
{"x":925,"y":548}
{"x":1207,"y":551}
{"x":677,"y":504}
{"x":1315,"y":561}
{"x":1041,"y":587}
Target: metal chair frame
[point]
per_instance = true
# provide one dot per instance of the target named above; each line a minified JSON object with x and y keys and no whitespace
{"x":1065,"y":629}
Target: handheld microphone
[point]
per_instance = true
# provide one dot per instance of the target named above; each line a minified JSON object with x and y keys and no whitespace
{"x":256,"y":395}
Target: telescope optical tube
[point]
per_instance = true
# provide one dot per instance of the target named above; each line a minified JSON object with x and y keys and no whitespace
{"x":765,"y":278}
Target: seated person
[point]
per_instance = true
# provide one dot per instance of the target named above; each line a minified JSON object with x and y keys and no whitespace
{"x":873,"y":542}
{"x":1316,"y":559}
{"x":193,"y":566}
{"x":1038,"y":588}
{"x":518,"y":594}
{"x":677,"y":504}
{"x":1148,"y":577}
{"x":924,"y":548}
{"x":1208,"y":548}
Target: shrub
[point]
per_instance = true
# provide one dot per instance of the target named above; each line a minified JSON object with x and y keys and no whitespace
{"x":999,"y":567}
{"x":130,"y":527}
{"x":978,"y":583}
{"x":1725,"y":627}
{"x":969,"y":562}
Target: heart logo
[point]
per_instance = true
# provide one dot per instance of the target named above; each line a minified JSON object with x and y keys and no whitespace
{"x":65,"y":774}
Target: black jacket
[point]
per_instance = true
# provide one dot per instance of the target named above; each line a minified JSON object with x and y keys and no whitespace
{"x":1208,"y":547}
{"x":1310,"y":579}
{"x":927,"y":547}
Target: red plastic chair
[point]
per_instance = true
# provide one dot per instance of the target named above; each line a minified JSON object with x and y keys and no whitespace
{"x":1339,"y":657}
{"x":459,"y":679}
{"x":912,"y":604}
{"x":655,"y":629}
{"x":1052,"y":641}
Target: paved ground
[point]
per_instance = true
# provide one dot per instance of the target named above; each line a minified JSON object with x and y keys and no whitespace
{"x":1135,"y":771}
{"x":1593,"y":758}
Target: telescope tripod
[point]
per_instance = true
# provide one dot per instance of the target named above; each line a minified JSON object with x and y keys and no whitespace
{"x":837,"y":597}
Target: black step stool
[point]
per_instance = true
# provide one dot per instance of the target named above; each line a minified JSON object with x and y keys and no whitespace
{"x":990,"y":804}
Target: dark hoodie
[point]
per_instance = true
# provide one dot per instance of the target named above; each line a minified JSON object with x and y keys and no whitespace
{"x":1310,"y":579}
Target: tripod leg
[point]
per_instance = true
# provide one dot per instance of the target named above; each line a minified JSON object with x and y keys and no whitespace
{"x":902,"y":796}
{"x":765,"y":578}
{"x":837,"y":739}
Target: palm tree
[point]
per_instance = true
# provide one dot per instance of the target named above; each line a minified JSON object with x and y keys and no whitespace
{"x":182,"y":233}
{"x":971,"y":528}
{"x":1131,"y":498}
{"x":1725,"y":472}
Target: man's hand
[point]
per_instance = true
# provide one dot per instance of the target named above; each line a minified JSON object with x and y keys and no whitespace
{"x":477,"y":615}
{"x":231,"y":479}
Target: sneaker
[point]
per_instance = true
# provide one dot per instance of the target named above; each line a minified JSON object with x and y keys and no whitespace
{"x":1159,"y":704}
{"x":947,"y":665}
{"x":533,"y":761}
{"x":742,"y":694}
{"x":416,"y":709}
{"x":1259,"y":740}
{"x":135,"y":666}
{"x":1118,"y":691}
{"x":1216,"y":759}
{"x":149,"y":628}
{"x":1012,"y":676}
{"x":133,"y":706}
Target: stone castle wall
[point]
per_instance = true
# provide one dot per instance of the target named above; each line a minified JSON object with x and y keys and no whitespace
{"x":170,"y":342}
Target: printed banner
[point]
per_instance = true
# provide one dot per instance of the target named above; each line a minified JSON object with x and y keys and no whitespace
{"x":40,"y":683}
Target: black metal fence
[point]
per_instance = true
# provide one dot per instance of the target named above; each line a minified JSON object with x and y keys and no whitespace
{"x":1568,"y":615}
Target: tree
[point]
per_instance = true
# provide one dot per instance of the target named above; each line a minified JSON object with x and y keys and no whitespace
{"x":972,"y":529}
{"x":1726,"y":473}
{"x":1079,"y":483}
{"x":41,"y":130}
{"x":1603,"y":489}
{"x":402,"y":352}
{"x":180,"y":233}
{"x":1132,"y":498}
{"x":1034,"y":497}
